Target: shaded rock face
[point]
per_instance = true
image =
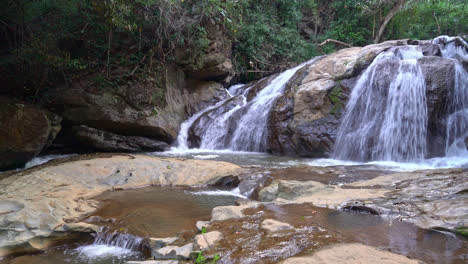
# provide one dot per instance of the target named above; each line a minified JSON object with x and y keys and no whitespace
{"x":104,"y":141}
{"x":305,"y":119}
{"x":214,"y":64}
{"x":25,"y":130}
{"x":137,"y":110}
{"x":439,"y":75}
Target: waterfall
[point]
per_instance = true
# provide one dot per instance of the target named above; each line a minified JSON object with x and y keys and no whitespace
{"x":386,"y":116}
{"x":457,"y":120}
{"x":182,"y":143}
{"x":249,"y":128}
{"x":251,"y":132}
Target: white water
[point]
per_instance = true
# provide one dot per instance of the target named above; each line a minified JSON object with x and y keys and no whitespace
{"x":386,"y":119}
{"x":44,"y":159}
{"x":110,"y":245}
{"x":250,"y":131}
{"x":234,"y":192}
{"x":385,"y":124}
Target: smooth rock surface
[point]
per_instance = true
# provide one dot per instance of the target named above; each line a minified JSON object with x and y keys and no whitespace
{"x":272,"y":225}
{"x":38,"y":202}
{"x":351,"y":254}
{"x":221,"y":213}
{"x":208,"y":240}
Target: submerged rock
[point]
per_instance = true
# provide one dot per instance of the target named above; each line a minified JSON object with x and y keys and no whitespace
{"x":25,"y":131}
{"x":40,"y":204}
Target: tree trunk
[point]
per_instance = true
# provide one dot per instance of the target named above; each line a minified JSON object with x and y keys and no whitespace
{"x":109,"y":38}
{"x":395,"y":9}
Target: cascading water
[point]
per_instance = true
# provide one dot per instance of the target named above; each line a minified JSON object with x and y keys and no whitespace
{"x":111,"y":244}
{"x":386,"y":116}
{"x":457,"y":120}
{"x":250,"y":130}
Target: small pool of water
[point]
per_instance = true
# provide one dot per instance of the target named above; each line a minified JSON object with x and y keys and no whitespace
{"x":145,"y":212}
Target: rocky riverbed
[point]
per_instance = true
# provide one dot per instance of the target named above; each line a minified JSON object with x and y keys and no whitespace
{"x":299,"y":214}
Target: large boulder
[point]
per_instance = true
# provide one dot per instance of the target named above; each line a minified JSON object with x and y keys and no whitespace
{"x":25,"y":130}
{"x":147,"y":109}
{"x":304,"y":121}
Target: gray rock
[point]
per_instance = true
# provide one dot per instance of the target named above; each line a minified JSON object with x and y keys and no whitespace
{"x":201,"y":224}
{"x":173,"y":252}
{"x":109,"y":142}
{"x":157,"y":243}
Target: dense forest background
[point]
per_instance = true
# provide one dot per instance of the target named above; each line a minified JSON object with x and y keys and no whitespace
{"x":45,"y":43}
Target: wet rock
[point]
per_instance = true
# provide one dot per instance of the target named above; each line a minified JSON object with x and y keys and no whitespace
{"x":202,"y":224}
{"x":157,"y":243}
{"x":200,"y":125}
{"x":208,"y":240}
{"x":25,"y":131}
{"x":228,"y":182}
{"x":431,"y":50}
{"x":351,"y":254}
{"x":109,"y":142}
{"x":275,"y":226}
{"x":439,"y":74}
{"x":173,"y":252}
{"x":429,"y":199}
{"x":40,"y":204}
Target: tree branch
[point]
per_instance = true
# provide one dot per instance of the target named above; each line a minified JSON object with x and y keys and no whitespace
{"x":336,"y":42}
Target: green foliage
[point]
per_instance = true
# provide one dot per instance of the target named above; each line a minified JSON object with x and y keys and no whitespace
{"x":50,"y":42}
{"x":423,"y":20}
{"x":203,"y":230}
{"x":202,"y":260}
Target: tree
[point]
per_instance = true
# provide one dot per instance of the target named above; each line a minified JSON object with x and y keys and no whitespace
{"x":390,"y":7}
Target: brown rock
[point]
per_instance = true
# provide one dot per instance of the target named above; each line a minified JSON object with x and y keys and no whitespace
{"x":25,"y":130}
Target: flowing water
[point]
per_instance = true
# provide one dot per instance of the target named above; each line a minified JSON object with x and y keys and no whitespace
{"x":386,"y":119}
{"x":250,"y":127}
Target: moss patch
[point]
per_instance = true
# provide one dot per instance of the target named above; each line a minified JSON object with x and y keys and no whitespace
{"x":335,"y":99}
